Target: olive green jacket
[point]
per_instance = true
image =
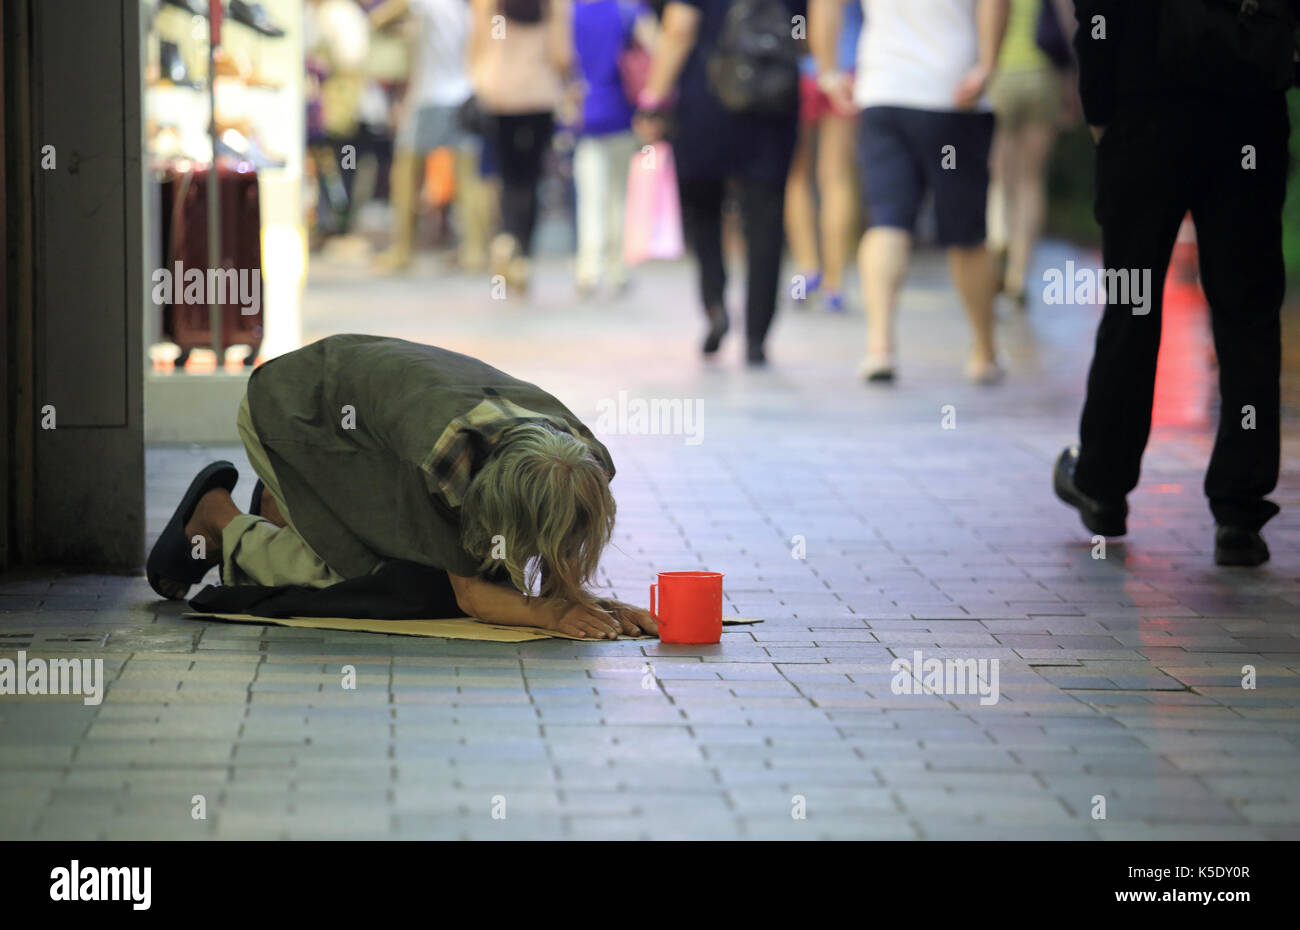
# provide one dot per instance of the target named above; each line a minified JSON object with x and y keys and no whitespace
{"x":375,"y":440}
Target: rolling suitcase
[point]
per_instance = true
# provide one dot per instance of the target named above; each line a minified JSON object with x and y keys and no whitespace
{"x":185,"y":240}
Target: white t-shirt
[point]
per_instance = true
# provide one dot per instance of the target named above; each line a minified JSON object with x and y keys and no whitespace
{"x":440,"y":72}
{"x":914,"y":53}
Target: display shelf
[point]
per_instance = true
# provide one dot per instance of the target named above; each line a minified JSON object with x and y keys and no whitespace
{"x":197,"y":407}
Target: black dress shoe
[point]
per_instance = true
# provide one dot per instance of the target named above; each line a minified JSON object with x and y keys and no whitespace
{"x":755,"y":357}
{"x":718,"y":326}
{"x":193,"y":7}
{"x":1104,"y":519}
{"x":254,"y":17}
{"x":1234,"y":545}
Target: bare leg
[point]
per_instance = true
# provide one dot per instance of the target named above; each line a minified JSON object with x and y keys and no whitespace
{"x":1002,"y":165}
{"x":214,"y":512}
{"x":800,"y":210}
{"x":975,"y":277}
{"x":1028,"y":200}
{"x":473,"y":211}
{"x":882,"y":263}
{"x":404,"y":187}
{"x":839,"y":204}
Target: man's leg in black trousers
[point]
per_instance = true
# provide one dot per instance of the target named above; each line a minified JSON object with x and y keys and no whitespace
{"x":1140,"y":205}
{"x":762,"y":209}
{"x":702,"y":224}
{"x":1238,"y":213}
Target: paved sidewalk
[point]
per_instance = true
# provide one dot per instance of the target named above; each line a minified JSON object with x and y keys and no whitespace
{"x":848,"y":518}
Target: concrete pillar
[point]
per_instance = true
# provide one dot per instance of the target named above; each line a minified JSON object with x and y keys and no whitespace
{"x":87,"y":283}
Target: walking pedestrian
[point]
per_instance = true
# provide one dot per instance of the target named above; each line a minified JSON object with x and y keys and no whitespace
{"x":521,"y":61}
{"x":736,"y":120}
{"x":1031,"y":96}
{"x":604,"y":32}
{"x":439,"y":86}
{"x":927,"y":126}
{"x":826,"y":149}
{"x":1187,"y":103}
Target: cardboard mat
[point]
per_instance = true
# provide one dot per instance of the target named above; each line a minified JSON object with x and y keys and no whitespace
{"x":457,"y":628}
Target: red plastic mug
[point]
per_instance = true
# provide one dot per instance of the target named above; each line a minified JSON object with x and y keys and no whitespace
{"x":689,"y":608}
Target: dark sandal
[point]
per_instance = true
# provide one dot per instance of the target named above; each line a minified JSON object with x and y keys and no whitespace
{"x":170,"y":558}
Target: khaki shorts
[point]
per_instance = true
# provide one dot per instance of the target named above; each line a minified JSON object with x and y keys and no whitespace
{"x":1026,"y":98}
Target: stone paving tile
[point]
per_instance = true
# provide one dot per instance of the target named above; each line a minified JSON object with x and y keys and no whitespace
{"x":1120,"y":677}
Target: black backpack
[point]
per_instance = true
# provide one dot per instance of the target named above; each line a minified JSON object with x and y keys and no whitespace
{"x":754,"y":68}
{"x":1232,"y":47}
{"x":1051,"y":37}
{"x":523,"y":11}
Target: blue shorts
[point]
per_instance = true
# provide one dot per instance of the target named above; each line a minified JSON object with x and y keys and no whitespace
{"x":905,"y":152}
{"x":429,"y":128}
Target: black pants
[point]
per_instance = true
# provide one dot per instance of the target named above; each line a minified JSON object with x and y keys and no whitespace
{"x":762,"y":212}
{"x":521,"y":142}
{"x":1228,"y":165}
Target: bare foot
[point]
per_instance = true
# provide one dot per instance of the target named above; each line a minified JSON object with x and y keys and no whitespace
{"x":271,"y":510}
{"x":173,"y":590}
{"x":206,"y":521}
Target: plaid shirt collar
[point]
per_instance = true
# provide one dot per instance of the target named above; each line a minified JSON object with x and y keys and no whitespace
{"x":469,"y":439}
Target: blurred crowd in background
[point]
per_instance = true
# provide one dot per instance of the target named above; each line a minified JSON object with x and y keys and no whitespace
{"x":403,"y":146}
{"x":493,"y":130}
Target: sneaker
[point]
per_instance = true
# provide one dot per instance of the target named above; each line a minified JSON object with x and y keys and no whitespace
{"x":833,"y":302}
{"x":1235,"y":545}
{"x":1104,"y":519}
{"x":812,"y":284}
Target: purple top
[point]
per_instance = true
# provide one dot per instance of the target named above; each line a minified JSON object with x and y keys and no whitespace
{"x":601,"y":30}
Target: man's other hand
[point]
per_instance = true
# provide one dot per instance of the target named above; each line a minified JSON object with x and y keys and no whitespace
{"x":838,"y":88}
{"x":633,"y":621}
{"x":972,"y":87}
{"x":586,"y":624}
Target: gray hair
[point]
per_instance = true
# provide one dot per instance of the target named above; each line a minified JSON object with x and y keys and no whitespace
{"x":546,"y":496}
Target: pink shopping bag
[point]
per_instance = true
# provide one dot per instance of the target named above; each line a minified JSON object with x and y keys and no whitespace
{"x":652,"y":223}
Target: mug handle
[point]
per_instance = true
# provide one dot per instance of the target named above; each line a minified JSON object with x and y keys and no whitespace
{"x":653,"y":612}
